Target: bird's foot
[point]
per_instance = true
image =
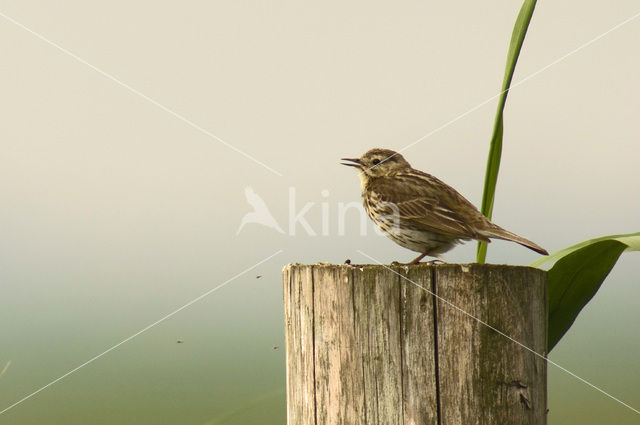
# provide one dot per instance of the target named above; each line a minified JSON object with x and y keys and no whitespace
{"x":415,"y":261}
{"x":435,"y":261}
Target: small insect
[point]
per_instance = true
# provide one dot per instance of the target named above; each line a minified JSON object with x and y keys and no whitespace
{"x":275,"y":347}
{"x":347,"y":261}
{"x":179,"y":341}
{"x":259,"y":276}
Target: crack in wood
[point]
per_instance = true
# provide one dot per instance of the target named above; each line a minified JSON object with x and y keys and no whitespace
{"x":313,"y":339}
{"x":432,"y":273}
{"x":401,"y":336}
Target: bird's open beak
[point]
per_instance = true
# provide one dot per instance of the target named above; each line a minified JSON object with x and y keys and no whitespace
{"x":356,"y":162}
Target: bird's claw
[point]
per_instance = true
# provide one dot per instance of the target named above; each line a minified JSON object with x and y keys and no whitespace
{"x":413,"y":263}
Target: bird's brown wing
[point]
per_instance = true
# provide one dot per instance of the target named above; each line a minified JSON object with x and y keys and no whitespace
{"x":422,"y":201}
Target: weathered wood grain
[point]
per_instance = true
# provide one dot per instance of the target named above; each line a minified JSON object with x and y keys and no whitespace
{"x":419,"y":366}
{"x":299,"y":341}
{"x":486,"y":378}
{"x":377,"y":325}
{"x":365,"y":345}
{"x":338,"y":367}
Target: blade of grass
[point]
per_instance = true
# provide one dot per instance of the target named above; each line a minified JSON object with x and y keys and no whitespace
{"x":495,"y":149}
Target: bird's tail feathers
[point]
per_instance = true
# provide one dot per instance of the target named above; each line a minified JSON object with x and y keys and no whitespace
{"x":500,"y":233}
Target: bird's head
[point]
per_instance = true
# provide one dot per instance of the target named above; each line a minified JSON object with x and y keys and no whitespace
{"x":378,"y":163}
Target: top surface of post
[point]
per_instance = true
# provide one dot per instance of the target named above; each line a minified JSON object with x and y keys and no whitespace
{"x":405,"y":267}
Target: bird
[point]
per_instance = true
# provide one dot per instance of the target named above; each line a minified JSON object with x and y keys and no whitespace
{"x":420,"y":212}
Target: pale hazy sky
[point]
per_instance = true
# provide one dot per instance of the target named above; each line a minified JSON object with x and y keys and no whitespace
{"x":107,"y":198}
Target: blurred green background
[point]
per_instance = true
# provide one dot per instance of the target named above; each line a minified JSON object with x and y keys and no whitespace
{"x":115,"y":213}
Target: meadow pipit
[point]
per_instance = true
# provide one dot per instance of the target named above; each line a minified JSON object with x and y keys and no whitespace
{"x":420,"y":212}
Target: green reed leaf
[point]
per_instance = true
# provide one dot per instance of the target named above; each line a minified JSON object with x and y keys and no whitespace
{"x":495,"y":148}
{"x":576,"y":277}
{"x":632,"y":240}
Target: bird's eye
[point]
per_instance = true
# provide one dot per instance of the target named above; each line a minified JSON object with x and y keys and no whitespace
{"x":376,"y":161}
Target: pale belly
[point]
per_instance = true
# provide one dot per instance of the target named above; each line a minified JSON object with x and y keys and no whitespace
{"x":410,"y":237}
{"x":421,"y":241}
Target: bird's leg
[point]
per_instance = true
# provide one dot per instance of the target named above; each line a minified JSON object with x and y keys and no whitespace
{"x":418,"y":258}
{"x":438,"y":258}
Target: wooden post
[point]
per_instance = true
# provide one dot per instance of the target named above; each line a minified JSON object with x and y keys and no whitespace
{"x":372,"y":344}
